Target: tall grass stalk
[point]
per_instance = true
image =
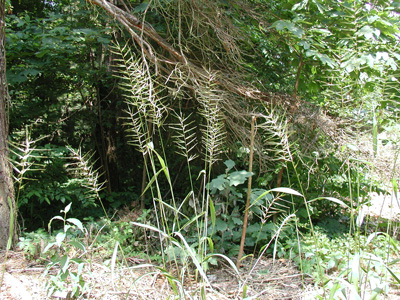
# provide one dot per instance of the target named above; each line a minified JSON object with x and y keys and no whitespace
{"x":246,"y":212}
{"x":144,"y":106}
{"x":83,"y":168}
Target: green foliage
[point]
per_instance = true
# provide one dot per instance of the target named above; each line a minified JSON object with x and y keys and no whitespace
{"x":224,"y":182}
{"x":337,"y":175}
{"x":228,"y":197}
{"x":67,"y":258}
{"x":348,"y":263}
{"x":178,"y":108}
{"x":49,"y":49}
{"x":353,"y":61}
{"x":47,"y":179}
{"x":32,"y":243}
{"x":51,"y":81}
{"x":36,"y":7}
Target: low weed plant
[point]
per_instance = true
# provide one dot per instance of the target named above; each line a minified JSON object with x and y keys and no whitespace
{"x":66,"y":258}
{"x":346,"y":256}
{"x":33,"y":243}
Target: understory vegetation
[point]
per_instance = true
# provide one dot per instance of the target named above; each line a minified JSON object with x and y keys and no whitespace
{"x":188,"y":136}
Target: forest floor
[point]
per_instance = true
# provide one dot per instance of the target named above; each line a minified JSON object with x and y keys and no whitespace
{"x":280,"y":279}
{"x":269,"y":280}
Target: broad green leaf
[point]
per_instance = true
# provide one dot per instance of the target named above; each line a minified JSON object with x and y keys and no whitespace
{"x":256,"y":227}
{"x":326,"y":60}
{"x":320,"y":7}
{"x":67,"y":208}
{"x":321,"y":31}
{"x":103,"y":40}
{"x":60,"y":237}
{"x":368,"y":32}
{"x":386,"y":27}
{"x":78,"y":245}
{"x":76,"y":222}
{"x":54,"y":218}
{"x":370,"y":60}
{"x":305,"y":45}
{"x":67,"y":227}
{"x":331,"y":264}
{"x":396,"y":55}
{"x":280,"y":25}
{"x":372,"y":19}
{"x":85,"y":31}
{"x":300,"y":5}
{"x":238,"y":177}
{"x":237,"y":221}
{"x":220,"y":225}
{"x":229,"y":164}
{"x":64,"y":263}
{"x":212,"y":260}
{"x":218,"y":183}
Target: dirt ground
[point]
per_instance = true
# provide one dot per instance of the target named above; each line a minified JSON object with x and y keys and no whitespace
{"x":22,"y":279}
{"x":386,"y":206}
{"x":269,"y":280}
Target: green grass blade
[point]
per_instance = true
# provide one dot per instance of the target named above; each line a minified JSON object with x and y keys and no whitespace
{"x":332,"y":199}
{"x":375,"y":134}
{"x":194,"y":258}
{"x":213,"y":217}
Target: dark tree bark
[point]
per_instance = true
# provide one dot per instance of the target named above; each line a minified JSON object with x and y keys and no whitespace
{"x":7,"y":199}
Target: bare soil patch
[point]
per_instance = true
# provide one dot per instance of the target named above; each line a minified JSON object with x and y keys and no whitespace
{"x":386,"y":206}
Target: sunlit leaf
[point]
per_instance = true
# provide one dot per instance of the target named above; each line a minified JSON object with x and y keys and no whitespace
{"x":286,"y":191}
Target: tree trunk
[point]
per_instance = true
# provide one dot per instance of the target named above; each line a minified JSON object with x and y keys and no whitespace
{"x":7,"y":200}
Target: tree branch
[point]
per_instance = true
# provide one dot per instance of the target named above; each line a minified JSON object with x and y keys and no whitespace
{"x":130,"y":21}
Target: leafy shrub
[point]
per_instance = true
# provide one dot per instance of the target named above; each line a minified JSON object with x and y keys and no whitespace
{"x":228,"y":194}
